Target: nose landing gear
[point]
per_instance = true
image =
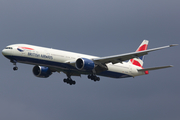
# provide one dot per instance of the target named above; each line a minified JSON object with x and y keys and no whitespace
{"x":14,"y":63}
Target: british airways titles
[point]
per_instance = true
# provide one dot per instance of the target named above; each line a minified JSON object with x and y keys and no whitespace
{"x":40,"y":55}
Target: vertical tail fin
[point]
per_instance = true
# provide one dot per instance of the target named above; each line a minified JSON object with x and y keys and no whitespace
{"x":139,"y":61}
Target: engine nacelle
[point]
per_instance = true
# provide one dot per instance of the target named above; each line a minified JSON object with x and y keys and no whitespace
{"x":41,"y":71}
{"x":84,"y":64}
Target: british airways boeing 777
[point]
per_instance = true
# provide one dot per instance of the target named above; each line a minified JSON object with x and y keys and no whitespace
{"x":48,"y":60}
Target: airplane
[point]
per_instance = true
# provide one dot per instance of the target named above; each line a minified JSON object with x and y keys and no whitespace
{"x":48,"y":60}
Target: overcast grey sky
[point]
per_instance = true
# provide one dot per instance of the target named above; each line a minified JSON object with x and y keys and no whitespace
{"x":95,"y":27}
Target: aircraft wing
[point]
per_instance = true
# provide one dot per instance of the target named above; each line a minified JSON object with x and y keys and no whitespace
{"x":123,"y":57}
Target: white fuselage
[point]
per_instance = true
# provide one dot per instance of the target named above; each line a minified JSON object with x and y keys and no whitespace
{"x":59,"y":60}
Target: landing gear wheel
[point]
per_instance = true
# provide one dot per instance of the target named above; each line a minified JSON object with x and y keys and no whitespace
{"x":15,"y":68}
{"x":73,"y":82}
{"x":69,"y":81}
{"x":97,"y":78}
{"x":65,"y":80}
{"x":89,"y":76}
{"x":94,"y":77}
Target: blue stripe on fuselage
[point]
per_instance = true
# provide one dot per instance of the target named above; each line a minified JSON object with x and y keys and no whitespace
{"x":35,"y":61}
{"x":64,"y":66}
{"x":114,"y":74}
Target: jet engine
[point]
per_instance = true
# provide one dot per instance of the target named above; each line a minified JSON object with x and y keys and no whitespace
{"x":41,"y":71}
{"x":85,"y":64}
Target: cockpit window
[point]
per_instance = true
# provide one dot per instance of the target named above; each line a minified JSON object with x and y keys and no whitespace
{"x":9,"y":48}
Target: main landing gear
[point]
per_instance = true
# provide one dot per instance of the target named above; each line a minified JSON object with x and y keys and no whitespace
{"x":93,"y":77}
{"x":14,"y":63}
{"x":69,"y":80}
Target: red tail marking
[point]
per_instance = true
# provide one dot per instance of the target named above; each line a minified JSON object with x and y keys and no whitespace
{"x":134,"y":62}
{"x":142,"y":48}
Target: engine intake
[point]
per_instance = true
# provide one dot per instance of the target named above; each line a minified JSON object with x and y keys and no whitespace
{"x":84,"y":64}
{"x":41,"y":71}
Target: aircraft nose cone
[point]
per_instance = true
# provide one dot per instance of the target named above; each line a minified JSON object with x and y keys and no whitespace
{"x":3,"y":52}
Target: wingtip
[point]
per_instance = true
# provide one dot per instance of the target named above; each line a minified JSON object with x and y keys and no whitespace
{"x":171,"y":66}
{"x":173,"y":45}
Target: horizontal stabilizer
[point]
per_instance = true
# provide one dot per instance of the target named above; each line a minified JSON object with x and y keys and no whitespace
{"x":154,"y":68}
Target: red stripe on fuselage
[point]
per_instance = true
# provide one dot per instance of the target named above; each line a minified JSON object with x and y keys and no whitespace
{"x":26,"y":48}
